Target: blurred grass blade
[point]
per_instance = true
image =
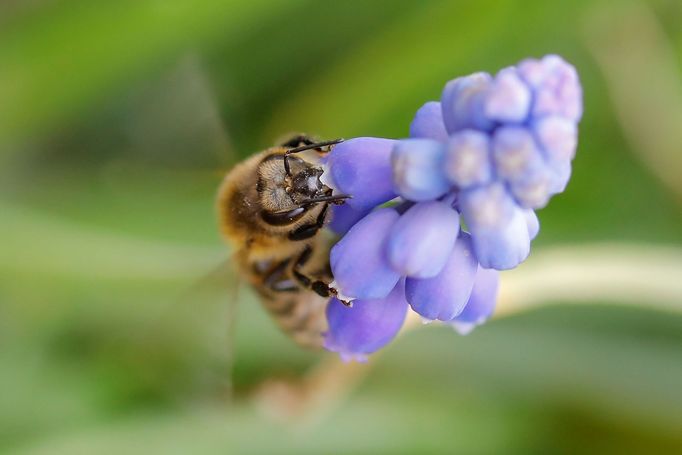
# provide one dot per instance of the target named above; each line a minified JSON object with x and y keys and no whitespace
{"x":34,"y":244}
{"x":640,"y":275}
{"x":645,"y":83}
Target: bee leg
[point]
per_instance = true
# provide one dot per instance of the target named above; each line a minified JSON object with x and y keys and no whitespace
{"x":318,"y":286}
{"x":307,"y":231}
{"x":276,"y":279}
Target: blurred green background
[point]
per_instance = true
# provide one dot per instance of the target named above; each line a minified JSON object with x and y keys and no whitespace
{"x":117,"y":122}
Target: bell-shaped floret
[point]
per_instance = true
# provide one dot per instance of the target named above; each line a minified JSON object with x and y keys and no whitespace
{"x":443,"y":297}
{"x":361,"y":167}
{"x":358,"y":261}
{"x":420,"y":242}
{"x":463,"y":103}
{"x":481,"y":304}
{"x":428,"y":123}
{"x":366,"y":326}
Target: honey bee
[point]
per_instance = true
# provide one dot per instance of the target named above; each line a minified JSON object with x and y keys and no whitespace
{"x":272,"y":208}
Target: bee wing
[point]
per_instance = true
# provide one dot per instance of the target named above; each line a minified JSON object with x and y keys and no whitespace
{"x":200,"y":326}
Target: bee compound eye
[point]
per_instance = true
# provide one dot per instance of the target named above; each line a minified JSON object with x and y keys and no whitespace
{"x":284,"y":217}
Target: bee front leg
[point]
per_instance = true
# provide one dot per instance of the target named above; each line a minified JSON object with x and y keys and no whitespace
{"x":318,"y":286}
{"x":307,"y":231}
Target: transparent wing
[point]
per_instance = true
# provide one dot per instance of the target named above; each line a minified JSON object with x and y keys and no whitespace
{"x":195,"y":334}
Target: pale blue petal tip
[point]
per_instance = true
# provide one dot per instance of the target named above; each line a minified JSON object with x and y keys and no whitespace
{"x":503,"y":247}
{"x":509,"y":98}
{"x":483,"y":299}
{"x":420,"y":242}
{"x":418,"y":169}
{"x":428,"y":123}
{"x":463,"y":103}
{"x":467,"y":162}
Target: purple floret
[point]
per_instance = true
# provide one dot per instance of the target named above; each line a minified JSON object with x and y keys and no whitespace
{"x":490,"y":153}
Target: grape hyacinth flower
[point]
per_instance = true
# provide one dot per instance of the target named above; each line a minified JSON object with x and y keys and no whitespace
{"x":492,"y":151}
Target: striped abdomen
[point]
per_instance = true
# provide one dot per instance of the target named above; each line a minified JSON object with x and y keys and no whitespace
{"x":298,"y":311}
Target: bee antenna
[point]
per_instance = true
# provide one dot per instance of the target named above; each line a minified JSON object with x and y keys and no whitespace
{"x":303,"y":148}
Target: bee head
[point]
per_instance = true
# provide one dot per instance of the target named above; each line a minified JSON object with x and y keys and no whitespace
{"x":289,"y":185}
{"x":307,"y":184}
{"x":304,"y":183}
